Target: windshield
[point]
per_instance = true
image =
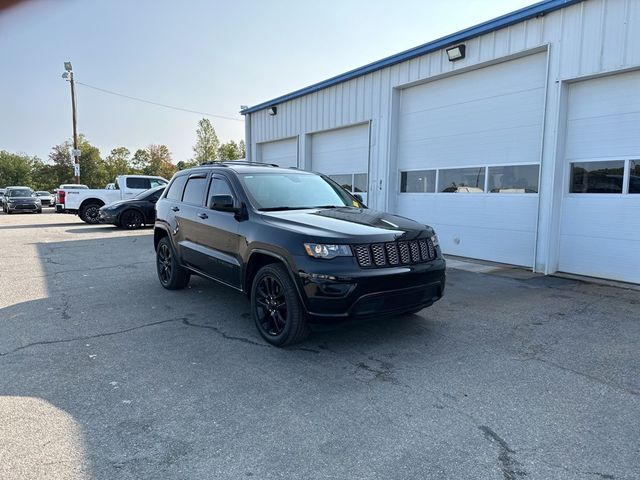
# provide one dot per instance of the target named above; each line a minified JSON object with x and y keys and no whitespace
{"x":293,"y":190}
{"x":43,"y":194}
{"x":156,"y":191}
{"x":20,"y":193}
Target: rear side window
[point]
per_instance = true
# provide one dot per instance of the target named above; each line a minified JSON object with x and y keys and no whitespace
{"x":194,"y":191}
{"x":156,"y":182}
{"x":176,"y":188}
{"x":138,"y":183}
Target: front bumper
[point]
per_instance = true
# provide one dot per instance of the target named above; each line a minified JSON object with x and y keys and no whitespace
{"x":107,"y":217}
{"x":24,"y":207}
{"x":356,"y":293}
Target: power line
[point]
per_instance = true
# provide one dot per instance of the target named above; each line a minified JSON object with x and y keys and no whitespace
{"x":110,"y":92}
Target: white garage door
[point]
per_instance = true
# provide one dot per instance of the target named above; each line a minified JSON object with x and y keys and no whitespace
{"x":468,"y":158}
{"x":600,"y":226}
{"x":343,"y":154}
{"x":282,"y":152}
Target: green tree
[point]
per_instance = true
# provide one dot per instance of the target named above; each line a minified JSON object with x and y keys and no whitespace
{"x":182,"y":164}
{"x":118,"y":163}
{"x":61,"y":170}
{"x":140,"y":160}
{"x":243,"y":149}
{"x":230,"y":151}
{"x":207,"y":143}
{"x":159,"y":161}
{"x":43,"y":176}
{"x":93,"y":171}
{"x":15,"y":169}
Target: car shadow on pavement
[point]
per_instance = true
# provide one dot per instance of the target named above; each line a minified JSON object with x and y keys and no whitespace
{"x":38,"y":225}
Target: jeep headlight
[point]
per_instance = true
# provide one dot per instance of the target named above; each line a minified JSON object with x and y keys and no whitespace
{"x":321,"y":250}
{"x":434,"y":240}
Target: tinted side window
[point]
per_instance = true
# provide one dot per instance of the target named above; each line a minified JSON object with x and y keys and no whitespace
{"x":218,"y":186}
{"x":156,"y":182}
{"x":139,"y":183}
{"x":176,"y":188}
{"x":194,"y":191}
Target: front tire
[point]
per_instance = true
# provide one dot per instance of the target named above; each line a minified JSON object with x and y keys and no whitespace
{"x":171,"y":274}
{"x":131,"y":219}
{"x":276,"y":307}
{"x":89,"y":213}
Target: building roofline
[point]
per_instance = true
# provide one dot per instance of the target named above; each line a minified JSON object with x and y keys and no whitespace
{"x":535,"y":10}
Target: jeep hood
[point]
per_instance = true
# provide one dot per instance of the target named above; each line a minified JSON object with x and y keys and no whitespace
{"x":342,"y":224}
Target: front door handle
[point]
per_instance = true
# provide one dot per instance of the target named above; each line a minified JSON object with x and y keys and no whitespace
{"x":203,"y":216}
{"x":175,"y":209}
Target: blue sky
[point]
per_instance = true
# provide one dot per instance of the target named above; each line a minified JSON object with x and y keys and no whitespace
{"x":210,"y":56}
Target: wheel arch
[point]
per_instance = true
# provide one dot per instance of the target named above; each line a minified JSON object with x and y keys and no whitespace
{"x":158,"y":234}
{"x":89,"y":201}
{"x":258,"y":259}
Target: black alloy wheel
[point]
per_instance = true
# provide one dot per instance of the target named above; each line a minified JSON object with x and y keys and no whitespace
{"x":172,"y":276}
{"x":276,"y":307}
{"x":271,"y":305}
{"x":131,"y":219}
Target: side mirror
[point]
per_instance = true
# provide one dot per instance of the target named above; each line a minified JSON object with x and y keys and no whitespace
{"x":222,"y":203}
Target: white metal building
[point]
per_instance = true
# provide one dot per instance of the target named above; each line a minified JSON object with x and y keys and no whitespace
{"x":524,"y":151}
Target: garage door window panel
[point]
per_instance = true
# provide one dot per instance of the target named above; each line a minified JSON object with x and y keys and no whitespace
{"x":461,"y":180}
{"x":597,"y":177}
{"x":345,"y":181}
{"x":514,"y":179}
{"x":360,"y":181}
{"x":634,"y":176}
{"x":418,"y":181}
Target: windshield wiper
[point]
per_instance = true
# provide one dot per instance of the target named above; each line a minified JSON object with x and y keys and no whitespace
{"x":274,"y":209}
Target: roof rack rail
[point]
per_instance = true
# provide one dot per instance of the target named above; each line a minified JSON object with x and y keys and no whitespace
{"x":226,"y":163}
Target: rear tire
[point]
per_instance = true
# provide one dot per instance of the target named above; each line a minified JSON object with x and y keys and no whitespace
{"x":171,"y":274}
{"x":89,"y":213}
{"x":276,"y":307}
{"x":131,"y":219}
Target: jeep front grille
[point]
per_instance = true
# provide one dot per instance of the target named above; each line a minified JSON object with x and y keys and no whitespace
{"x":394,"y":253}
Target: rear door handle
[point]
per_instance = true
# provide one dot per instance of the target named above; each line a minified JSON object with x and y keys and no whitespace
{"x":175,"y":209}
{"x":203,"y":216}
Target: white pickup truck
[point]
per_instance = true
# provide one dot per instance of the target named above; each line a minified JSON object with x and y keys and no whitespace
{"x":87,"y":202}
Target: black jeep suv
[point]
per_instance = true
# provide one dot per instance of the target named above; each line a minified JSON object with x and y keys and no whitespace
{"x":303,"y":249}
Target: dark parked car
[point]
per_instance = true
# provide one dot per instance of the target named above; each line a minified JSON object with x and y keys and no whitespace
{"x":134,"y":212}
{"x":21,"y":199}
{"x":304,"y":250}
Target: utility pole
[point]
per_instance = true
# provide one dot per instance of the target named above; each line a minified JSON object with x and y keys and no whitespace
{"x":68,"y":75}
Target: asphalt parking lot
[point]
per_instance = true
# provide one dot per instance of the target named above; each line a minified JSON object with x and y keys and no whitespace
{"x":104,"y":374}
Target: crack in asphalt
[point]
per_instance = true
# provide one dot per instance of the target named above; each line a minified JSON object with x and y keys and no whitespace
{"x":88,"y":337}
{"x":226,"y":336}
{"x":510,"y":467}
